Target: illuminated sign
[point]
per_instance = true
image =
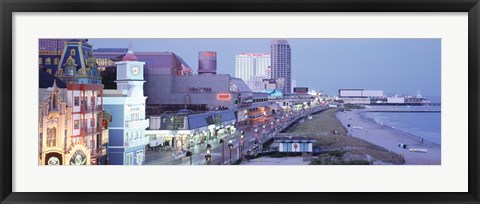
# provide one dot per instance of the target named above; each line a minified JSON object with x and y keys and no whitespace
{"x":224,"y":96}
{"x":300,"y":90}
{"x":209,"y":54}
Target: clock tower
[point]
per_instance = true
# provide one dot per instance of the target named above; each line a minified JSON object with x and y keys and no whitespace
{"x":127,"y":107}
{"x":130,"y":75}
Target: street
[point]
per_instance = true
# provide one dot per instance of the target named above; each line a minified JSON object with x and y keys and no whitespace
{"x":261,"y":132}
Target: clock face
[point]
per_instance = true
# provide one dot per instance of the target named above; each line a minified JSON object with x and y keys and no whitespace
{"x":53,"y":161}
{"x":135,"y":71}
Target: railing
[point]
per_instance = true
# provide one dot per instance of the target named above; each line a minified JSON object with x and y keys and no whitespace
{"x":89,"y":130}
{"x":85,"y":108}
{"x":305,"y":134}
{"x":137,"y":123}
{"x":98,"y":152}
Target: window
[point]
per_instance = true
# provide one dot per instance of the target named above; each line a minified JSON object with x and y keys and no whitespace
{"x":49,"y":71}
{"x":135,"y":116}
{"x":76,"y":125}
{"x":72,"y":52}
{"x":51,"y":137}
{"x":41,"y":140}
{"x":39,"y":60}
{"x":48,"y":61}
{"x":129,"y":159}
{"x":55,"y":61}
{"x":76,"y":101}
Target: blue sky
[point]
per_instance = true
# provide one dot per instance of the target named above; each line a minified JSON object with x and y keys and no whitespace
{"x":397,"y":66}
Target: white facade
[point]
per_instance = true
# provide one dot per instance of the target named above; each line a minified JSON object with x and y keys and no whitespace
{"x":128,"y":103}
{"x":360,"y":93}
{"x":294,"y":84}
{"x":373,"y":93}
{"x":395,"y":100}
{"x":356,"y":100}
{"x":256,"y":83}
{"x":248,"y":65}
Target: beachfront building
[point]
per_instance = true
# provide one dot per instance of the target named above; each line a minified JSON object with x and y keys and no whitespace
{"x":294,"y":143}
{"x":248,"y":65}
{"x":126,"y":105}
{"x":261,"y":81}
{"x":294,"y":84}
{"x":72,"y":118}
{"x":185,"y":128}
{"x":253,"y":68}
{"x":170,"y":86}
{"x":156,"y":64}
{"x":361,"y":96}
{"x":281,"y":63}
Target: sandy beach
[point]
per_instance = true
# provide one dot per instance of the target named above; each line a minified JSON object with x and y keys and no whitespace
{"x":389,"y":138}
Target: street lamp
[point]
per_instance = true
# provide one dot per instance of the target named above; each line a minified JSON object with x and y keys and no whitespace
{"x":241,"y":144}
{"x":189,"y":154}
{"x":208,"y":157}
{"x":230,"y":147}
{"x":223,"y":146}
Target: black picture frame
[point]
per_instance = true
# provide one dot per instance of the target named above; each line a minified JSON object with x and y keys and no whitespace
{"x":10,"y":6}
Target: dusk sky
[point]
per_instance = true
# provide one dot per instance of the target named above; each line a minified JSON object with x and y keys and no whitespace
{"x":397,"y":66}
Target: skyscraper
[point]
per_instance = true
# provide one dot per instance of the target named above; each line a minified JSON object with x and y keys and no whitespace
{"x":248,"y":65}
{"x":281,"y":63}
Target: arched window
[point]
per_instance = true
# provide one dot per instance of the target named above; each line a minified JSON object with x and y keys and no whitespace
{"x":48,"y":61}
{"x":51,"y":137}
{"x":39,"y":60}
{"x":72,"y":52}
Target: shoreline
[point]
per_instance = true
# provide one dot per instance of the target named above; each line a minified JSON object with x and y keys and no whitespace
{"x":416,"y":137}
{"x":389,"y":138}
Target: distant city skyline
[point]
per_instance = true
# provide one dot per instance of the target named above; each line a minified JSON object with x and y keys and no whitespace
{"x":397,"y":66}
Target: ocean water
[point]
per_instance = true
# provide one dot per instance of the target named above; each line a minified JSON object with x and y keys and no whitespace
{"x":426,"y":125}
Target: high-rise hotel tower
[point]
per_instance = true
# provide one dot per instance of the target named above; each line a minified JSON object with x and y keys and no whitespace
{"x":281,"y":63}
{"x":248,"y":65}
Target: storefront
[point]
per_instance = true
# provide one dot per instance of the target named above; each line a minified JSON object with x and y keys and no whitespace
{"x":193,"y":129}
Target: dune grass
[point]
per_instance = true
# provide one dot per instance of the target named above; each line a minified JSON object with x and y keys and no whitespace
{"x":354,"y":150}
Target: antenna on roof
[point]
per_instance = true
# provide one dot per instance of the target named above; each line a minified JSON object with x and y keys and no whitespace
{"x":130,"y":45}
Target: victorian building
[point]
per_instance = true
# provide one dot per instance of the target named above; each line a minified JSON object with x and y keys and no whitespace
{"x":73,"y":124}
{"x":54,"y":127}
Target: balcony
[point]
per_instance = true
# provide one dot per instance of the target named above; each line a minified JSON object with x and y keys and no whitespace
{"x":85,"y":108}
{"x":137,"y":123}
{"x":89,"y":131}
{"x":98,"y":152}
{"x":138,"y":142}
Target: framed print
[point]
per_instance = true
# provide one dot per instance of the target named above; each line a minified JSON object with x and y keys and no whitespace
{"x":257,"y":102}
